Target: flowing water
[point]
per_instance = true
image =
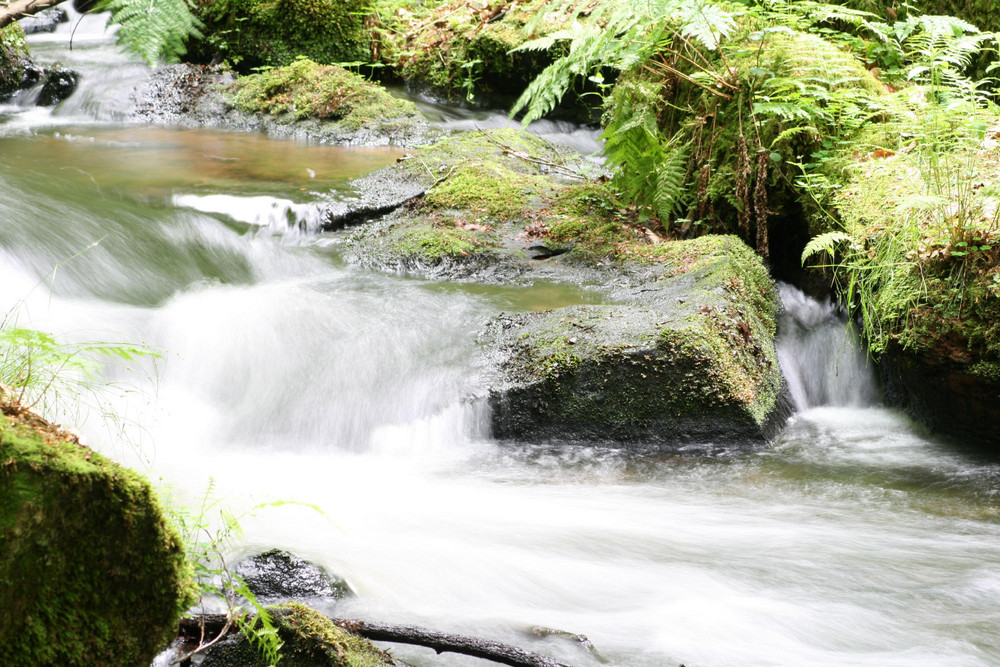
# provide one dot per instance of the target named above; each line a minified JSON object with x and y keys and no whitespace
{"x":287,"y":375}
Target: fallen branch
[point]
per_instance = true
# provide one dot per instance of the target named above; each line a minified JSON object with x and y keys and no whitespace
{"x":504,"y":654}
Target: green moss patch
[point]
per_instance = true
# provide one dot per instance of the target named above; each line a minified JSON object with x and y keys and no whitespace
{"x":92,"y":573}
{"x":461,"y":48}
{"x":13,"y":58}
{"x":492,"y":190}
{"x":426,"y":243}
{"x":309,"y":639}
{"x":305,"y":89}
{"x":255,"y":33}
{"x":924,"y":254}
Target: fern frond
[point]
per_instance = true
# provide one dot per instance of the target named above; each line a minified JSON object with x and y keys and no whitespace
{"x":824,"y":243}
{"x":154,"y":29}
{"x":670,"y":191}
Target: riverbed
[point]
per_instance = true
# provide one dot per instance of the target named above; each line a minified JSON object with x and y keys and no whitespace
{"x":345,"y":399}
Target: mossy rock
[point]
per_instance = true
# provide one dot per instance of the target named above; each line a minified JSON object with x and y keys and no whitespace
{"x":923,"y":254}
{"x":92,"y":573}
{"x":305,"y":89}
{"x":308,"y":638}
{"x":257,"y":33}
{"x":321,"y":103}
{"x":469,"y":196}
{"x":14,"y":60}
{"x":687,"y":358}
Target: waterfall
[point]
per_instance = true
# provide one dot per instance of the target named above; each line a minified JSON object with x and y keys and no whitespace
{"x":820,"y":356}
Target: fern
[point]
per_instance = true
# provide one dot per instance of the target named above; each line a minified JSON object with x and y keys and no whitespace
{"x":670,"y":194}
{"x":824,"y":243}
{"x":154,"y":29}
{"x":616,"y":36}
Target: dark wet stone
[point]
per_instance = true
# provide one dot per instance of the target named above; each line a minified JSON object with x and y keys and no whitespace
{"x":277,"y":574}
{"x":59,"y":84}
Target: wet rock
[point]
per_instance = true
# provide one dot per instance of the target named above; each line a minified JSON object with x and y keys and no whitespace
{"x":277,"y":574}
{"x":683,"y":358}
{"x":196,"y":96}
{"x":14,"y":61}
{"x":59,"y":84}
{"x":945,"y":397}
{"x":377,"y":193}
{"x":44,"y":21}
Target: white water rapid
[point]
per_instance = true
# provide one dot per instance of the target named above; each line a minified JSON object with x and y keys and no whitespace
{"x":287,"y":375}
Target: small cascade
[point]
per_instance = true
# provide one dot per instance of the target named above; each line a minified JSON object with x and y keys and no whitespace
{"x":276,"y":215}
{"x":107,"y":76}
{"x":820,"y":356}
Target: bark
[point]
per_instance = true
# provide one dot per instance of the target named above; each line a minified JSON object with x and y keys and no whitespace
{"x":504,"y":654}
{"x":21,"y":8}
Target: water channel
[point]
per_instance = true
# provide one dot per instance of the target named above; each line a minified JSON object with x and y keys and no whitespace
{"x":288,"y":375}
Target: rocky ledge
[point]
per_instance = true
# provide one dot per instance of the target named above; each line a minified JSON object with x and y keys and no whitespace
{"x":681,"y":351}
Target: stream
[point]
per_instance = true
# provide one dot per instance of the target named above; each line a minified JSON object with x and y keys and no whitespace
{"x":288,"y":376}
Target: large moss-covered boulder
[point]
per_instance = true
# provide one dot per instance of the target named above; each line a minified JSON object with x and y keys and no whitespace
{"x":90,"y":572}
{"x":687,"y":356}
{"x":308,"y":638}
{"x":255,"y":33}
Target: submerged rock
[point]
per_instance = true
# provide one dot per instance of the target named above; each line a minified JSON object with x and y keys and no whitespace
{"x":277,"y":574}
{"x":90,"y":572}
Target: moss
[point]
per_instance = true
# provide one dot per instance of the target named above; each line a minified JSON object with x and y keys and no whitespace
{"x":691,"y":355}
{"x":925,"y":251}
{"x":309,"y":639}
{"x":92,"y":573}
{"x":514,"y":150}
{"x":593,"y":217}
{"x":463,"y":49}
{"x":493,"y":190}
{"x":424,"y":242}
{"x":255,"y":33}
{"x":306,"y":89}
{"x":13,"y":59}
{"x":434,"y":242}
